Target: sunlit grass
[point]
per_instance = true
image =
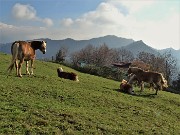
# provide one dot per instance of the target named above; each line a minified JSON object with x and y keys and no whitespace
{"x":46,"y":104}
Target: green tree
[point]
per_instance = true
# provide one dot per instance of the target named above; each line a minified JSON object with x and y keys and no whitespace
{"x":61,"y":54}
{"x":176,"y":83}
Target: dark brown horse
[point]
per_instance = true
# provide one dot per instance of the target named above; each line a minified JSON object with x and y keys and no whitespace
{"x":25,"y":51}
{"x":67,"y":75}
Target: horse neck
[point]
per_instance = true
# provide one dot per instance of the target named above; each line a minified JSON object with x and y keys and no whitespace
{"x":137,"y":71}
{"x":131,"y":79}
{"x":36,"y":45}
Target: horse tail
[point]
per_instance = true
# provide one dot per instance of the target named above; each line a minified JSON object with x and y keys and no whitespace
{"x":14,"y":52}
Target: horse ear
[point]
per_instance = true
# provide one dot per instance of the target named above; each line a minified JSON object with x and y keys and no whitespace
{"x":43,"y":41}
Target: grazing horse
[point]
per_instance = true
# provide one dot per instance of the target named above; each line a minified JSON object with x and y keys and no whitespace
{"x":67,"y":75}
{"x":153,"y":78}
{"x":134,"y":80}
{"x":25,"y":51}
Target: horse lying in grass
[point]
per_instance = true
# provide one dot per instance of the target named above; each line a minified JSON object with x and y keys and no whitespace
{"x":153,"y":78}
{"x":25,"y":51}
{"x":67,"y":75}
{"x":126,"y":87}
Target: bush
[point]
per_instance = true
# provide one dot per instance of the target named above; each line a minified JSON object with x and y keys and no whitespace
{"x":106,"y":72}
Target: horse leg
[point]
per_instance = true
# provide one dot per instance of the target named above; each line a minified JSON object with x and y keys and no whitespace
{"x":159,"y":87}
{"x":151,"y":86}
{"x":139,"y":83}
{"x":142,"y":86}
{"x":32,"y":64}
{"x":27,"y":68}
{"x":20,"y":66}
{"x":17,"y":68}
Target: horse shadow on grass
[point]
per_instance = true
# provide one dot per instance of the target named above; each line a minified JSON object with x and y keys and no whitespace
{"x":138,"y":94}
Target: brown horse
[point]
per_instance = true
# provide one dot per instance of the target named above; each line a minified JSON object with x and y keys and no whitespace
{"x":134,"y":80}
{"x":25,"y":51}
{"x":153,"y":78}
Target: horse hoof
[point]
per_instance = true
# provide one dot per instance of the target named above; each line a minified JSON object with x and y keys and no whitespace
{"x":27,"y":73}
{"x":32,"y":74}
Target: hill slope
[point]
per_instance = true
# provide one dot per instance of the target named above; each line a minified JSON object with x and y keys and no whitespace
{"x":46,"y":104}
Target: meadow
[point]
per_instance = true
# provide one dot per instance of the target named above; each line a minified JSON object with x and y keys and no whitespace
{"x":45,"y":104}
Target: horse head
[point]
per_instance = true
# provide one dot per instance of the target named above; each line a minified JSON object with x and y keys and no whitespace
{"x":60,"y":69}
{"x":43,"y":47}
{"x":129,"y":71}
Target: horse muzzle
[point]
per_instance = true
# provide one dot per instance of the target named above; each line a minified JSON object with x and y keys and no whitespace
{"x":44,"y":51}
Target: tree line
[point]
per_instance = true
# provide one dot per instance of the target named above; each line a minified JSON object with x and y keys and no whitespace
{"x":98,"y":61}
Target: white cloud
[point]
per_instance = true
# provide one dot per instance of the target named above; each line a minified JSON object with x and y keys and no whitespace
{"x":10,"y":33}
{"x":5,"y":26}
{"x":27,"y":12}
{"x":108,"y":18}
{"x":105,"y":14}
{"x":24,"y":12}
{"x":47,"y":21}
{"x":132,"y":6}
{"x":66,"y":22}
{"x":163,"y":33}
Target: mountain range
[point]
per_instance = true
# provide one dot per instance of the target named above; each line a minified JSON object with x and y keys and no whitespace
{"x":110,"y":40}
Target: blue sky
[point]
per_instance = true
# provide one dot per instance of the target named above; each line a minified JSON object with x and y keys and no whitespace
{"x":156,"y":22}
{"x":52,"y":8}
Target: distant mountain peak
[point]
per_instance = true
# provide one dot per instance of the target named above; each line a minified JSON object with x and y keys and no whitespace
{"x":140,"y":41}
{"x":139,"y":46}
{"x":69,"y":39}
{"x":111,"y":36}
{"x":45,"y":39}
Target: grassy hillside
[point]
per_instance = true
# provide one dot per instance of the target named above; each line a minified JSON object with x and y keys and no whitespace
{"x":46,"y":104}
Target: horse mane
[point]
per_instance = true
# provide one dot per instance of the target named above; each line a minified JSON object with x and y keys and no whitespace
{"x":35,"y":44}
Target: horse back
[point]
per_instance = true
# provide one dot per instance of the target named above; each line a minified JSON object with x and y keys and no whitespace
{"x":148,"y":76}
{"x":24,"y":50}
{"x":153,"y":76}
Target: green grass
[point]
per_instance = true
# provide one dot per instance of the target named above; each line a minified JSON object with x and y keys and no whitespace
{"x":46,"y":104}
